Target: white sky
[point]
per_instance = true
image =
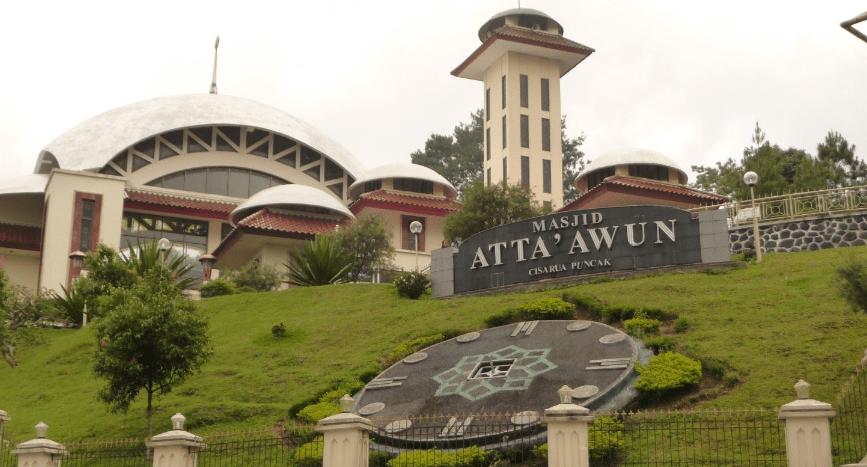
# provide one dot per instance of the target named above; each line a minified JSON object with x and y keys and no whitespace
{"x":683,"y":77}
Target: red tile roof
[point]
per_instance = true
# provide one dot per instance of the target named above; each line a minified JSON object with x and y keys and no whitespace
{"x":176,"y":204}
{"x":536,"y":38}
{"x":688,"y":194}
{"x":404,"y":202}
{"x":288,"y":223}
{"x":20,"y":237}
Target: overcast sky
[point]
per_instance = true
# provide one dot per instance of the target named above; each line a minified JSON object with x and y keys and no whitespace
{"x":682,"y":77}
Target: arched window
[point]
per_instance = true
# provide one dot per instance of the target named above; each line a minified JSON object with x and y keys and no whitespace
{"x":226,"y":181}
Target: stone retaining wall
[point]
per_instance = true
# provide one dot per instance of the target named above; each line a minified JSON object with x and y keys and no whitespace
{"x":817,"y":233}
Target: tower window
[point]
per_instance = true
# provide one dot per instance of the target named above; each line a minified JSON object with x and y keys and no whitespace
{"x":505,"y":164}
{"x":651,"y":171}
{"x":488,"y":143}
{"x":414,"y":185}
{"x":525,"y":99}
{"x":546,"y":102}
{"x":525,"y":171}
{"x":504,"y":131}
{"x":489,"y":176}
{"x":546,"y":175}
{"x":86,"y":220}
{"x":504,"y":91}
{"x":525,"y":131}
{"x":488,"y":104}
{"x":546,"y":134}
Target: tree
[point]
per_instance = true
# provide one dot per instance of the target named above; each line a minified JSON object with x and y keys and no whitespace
{"x":320,"y":262}
{"x":486,"y":207}
{"x":20,"y":312}
{"x":369,"y":242}
{"x":459,"y":158}
{"x":839,"y":154}
{"x":852,"y":283}
{"x":255,"y":276}
{"x":150,"y":338}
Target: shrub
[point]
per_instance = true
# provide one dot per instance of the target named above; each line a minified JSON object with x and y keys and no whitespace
{"x":413,"y":346}
{"x":587,"y":305}
{"x":681,"y":325}
{"x":279,"y":330}
{"x":640,"y":327}
{"x":320,"y":262}
{"x":660,"y":344}
{"x":731,"y":380}
{"x":614,"y":314}
{"x":543,"y":308}
{"x":852,"y":283}
{"x":713,"y":366}
{"x":666,"y":373}
{"x":314,"y":413}
{"x":411,"y":284}
{"x":217,"y":287}
{"x":468,"y":457}
{"x":256,"y":276}
{"x":309,"y":454}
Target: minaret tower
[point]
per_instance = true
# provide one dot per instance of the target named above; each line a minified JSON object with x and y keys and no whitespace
{"x":521,"y":59}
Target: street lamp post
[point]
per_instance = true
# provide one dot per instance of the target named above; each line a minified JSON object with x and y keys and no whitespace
{"x":751,"y":178}
{"x":164,"y":244}
{"x":415,"y":228}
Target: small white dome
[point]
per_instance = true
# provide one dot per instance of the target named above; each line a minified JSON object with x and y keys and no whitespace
{"x":629,"y":156}
{"x":402,"y":170}
{"x":299,"y":197}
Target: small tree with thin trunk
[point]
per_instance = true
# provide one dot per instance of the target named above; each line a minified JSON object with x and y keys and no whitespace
{"x":150,"y":338}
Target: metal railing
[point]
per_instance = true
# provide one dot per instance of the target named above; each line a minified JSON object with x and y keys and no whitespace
{"x":849,"y":426}
{"x":795,"y":205}
{"x":7,"y":459}
{"x":280,"y":446}
{"x":118,"y":453}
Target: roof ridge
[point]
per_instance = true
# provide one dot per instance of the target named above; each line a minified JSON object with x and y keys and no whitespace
{"x":179,"y":196}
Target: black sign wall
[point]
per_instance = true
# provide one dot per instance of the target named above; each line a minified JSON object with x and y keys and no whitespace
{"x":577,"y":242}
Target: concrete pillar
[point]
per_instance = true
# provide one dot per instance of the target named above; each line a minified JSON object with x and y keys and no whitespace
{"x":568,"y":444}
{"x":808,"y":430}
{"x":4,"y":417}
{"x":346,"y":437}
{"x":175,"y":448}
{"x":40,"y":452}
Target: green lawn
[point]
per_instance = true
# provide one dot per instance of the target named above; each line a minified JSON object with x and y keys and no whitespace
{"x":771,"y":323}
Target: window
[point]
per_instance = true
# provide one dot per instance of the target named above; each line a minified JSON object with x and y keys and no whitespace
{"x":189,"y":237}
{"x":372,"y":186}
{"x":525,"y":131}
{"x":546,"y":176}
{"x":489,"y":176}
{"x":505,"y":173}
{"x":525,"y":99}
{"x":651,"y":171}
{"x":546,"y":102}
{"x":525,"y":171}
{"x":226,"y":181}
{"x":595,"y":178}
{"x":414,"y":185}
{"x":85,"y":228}
{"x":504,"y":91}
{"x":488,"y":143}
{"x":505,"y":133}
{"x":546,"y":134}
{"x":488,"y":104}
{"x":408,"y":237}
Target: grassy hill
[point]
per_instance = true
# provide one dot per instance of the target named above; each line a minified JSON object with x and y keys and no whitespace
{"x":770,"y":323}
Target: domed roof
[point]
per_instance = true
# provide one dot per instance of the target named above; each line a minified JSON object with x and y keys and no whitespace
{"x":512,"y":12}
{"x":402,"y":170}
{"x":92,"y":143}
{"x":22,"y":184}
{"x":299,"y":197}
{"x":628,"y":156}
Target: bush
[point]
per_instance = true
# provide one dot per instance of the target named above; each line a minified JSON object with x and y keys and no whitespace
{"x":309,"y":454}
{"x":413,"y":346}
{"x":640,"y":327}
{"x":314,"y":413}
{"x":605,"y":439}
{"x":666,"y":373}
{"x":681,"y":325}
{"x":217,"y":287}
{"x":543,"y":308}
{"x":279,"y":330}
{"x":587,"y":305}
{"x":852,"y":283}
{"x":731,"y":380}
{"x":713,"y":366}
{"x":256,"y":276}
{"x":411,"y":284}
{"x":614,"y":314}
{"x":468,"y":457}
{"x":660,"y":344}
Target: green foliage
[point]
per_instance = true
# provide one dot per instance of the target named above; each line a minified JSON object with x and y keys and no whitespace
{"x":320,"y":262}
{"x":217,"y":288}
{"x":852,"y":283}
{"x":279,"y":330}
{"x":586,"y":305}
{"x":731,"y":380}
{"x":666,"y":373}
{"x":713,"y":366}
{"x":70,"y":306}
{"x":369,"y":242}
{"x":411,"y":284}
{"x":145,"y":256}
{"x":315,"y":412}
{"x":149,"y":338}
{"x":840,"y":155}
{"x":681,"y":325}
{"x":467,"y":457}
{"x":20,"y":312}
{"x":309,"y":454}
{"x":613,"y":314}
{"x":540,"y":309}
{"x":457,"y":157}
{"x":660,"y":344}
{"x":413,"y":346}
{"x":640,"y":327}
{"x":106,"y":271}
{"x":605,"y":437}
{"x":573,"y":162}
{"x":486,"y":207}
{"x":254,"y":276}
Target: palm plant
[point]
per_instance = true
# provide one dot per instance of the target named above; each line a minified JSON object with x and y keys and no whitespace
{"x":320,"y":262}
{"x":144,"y":256}
{"x":70,"y":306}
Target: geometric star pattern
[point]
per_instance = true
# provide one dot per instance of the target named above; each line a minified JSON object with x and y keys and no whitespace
{"x":528,"y":364}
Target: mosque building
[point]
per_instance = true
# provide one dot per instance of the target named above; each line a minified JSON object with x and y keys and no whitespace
{"x":242,"y":181}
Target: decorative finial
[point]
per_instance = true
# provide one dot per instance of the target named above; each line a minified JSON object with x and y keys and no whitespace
{"x":346,"y":403}
{"x":565,"y":394}
{"x":802,"y":389}
{"x":41,"y":430}
{"x":214,"y":78}
{"x":178,"y":421}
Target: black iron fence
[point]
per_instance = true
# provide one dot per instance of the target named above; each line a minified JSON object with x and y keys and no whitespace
{"x":849,"y":426}
{"x":117,"y":453}
{"x":6,"y":447}
{"x":280,"y":446}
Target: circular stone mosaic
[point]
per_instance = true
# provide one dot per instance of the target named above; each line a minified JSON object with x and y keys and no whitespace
{"x":578,"y":325}
{"x":468,"y":337}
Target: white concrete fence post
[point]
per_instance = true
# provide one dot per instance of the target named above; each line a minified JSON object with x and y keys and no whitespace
{"x":568,"y":443}
{"x":808,"y":429}
{"x":41,"y":451}
{"x":4,"y":417}
{"x":175,"y":448}
{"x":346,"y":442}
